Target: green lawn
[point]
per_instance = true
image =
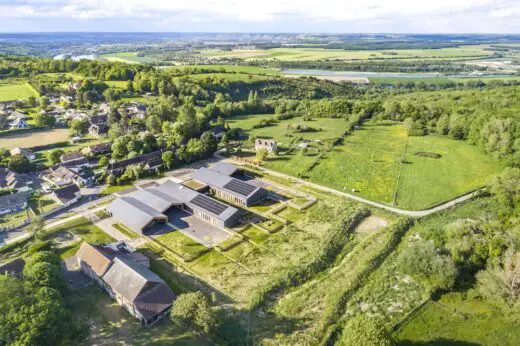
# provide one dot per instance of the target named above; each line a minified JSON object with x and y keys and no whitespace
{"x":456,"y":320}
{"x":180,"y":243}
{"x":116,"y":188}
{"x":16,"y":90}
{"x":126,"y":231}
{"x":327,"y":128}
{"x":44,"y":204}
{"x":83,"y":228}
{"x":14,"y":219}
{"x":426,"y":181}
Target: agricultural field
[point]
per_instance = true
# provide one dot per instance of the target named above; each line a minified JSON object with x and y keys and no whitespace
{"x":229,"y":69}
{"x":16,"y":90}
{"x":368,"y":163}
{"x":230,"y":77}
{"x":127,"y":57}
{"x":302,"y":54}
{"x":36,"y":138}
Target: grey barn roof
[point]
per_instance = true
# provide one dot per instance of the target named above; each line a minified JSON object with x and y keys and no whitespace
{"x":133,"y":213}
{"x":215,"y":179}
{"x":155,"y":199}
{"x":196,"y":200}
{"x":224,"y":168}
{"x":138,"y":284}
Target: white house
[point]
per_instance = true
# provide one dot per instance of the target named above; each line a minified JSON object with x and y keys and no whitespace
{"x":18,"y":123}
{"x":25,"y":152}
{"x":267,"y":144}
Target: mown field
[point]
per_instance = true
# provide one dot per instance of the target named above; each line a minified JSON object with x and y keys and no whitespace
{"x":322,"y":54}
{"x":31,"y":139}
{"x":368,"y":163}
{"x":16,"y":90}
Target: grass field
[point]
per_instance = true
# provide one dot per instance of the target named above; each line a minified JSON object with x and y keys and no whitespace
{"x":324,"y":54}
{"x":16,"y":90}
{"x":330,"y":128}
{"x":127,"y":57}
{"x":368,"y":163}
{"x":456,"y":320}
{"x":36,"y":138}
{"x":180,"y":243}
{"x":231,"y":77}
{"x":425,"y":181}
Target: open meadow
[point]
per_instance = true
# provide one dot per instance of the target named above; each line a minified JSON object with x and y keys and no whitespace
{"x":379,"y":161}
{"x":16,"y":90}
{"x":128,"y":57}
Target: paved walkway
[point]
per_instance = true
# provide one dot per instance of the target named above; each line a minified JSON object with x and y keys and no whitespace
{"x":411,"y":213}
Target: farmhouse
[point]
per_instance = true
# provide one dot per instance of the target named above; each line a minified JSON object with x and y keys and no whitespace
{"x":25,"y":152}
{"x":267,"y":144}
{"x":13,"y":203}
{"x":67,"y":195}
{"x":74,"y":159}
{"x":146,"y":207}
{"x":126,"y":278}
{"x":229,"y":188}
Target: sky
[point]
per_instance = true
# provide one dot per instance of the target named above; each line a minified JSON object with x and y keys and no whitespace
{"x":324,"y":16}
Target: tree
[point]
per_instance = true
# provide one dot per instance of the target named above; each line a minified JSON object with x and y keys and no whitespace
{"x":44,"y":274}
{"x":78,"y":126}
{"x":103,"y":162}
{"x":425,"y":264}
{"x":366,"y":331}
{"x":44,"y":120}
{"x":19,"y":163}
{"x":54,"y":157}
{"x":261,"y":154}
{"x":168,"y":157}
{"x":44,"y":102}
{"x":500,"y":281}
{"x":193,"y":310}
{"x":36,"y":227}
{"x":129,"y":86}
{"x":209,"y":143}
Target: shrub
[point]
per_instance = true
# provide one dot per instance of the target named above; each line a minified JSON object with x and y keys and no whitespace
{"x":363,"y":330}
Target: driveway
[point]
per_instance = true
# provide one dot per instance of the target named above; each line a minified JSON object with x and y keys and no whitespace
{"x":200,"y":231}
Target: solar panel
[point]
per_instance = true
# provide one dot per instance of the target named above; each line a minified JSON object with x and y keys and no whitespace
{"x":209,"y":204}
{"x":240,"y":187}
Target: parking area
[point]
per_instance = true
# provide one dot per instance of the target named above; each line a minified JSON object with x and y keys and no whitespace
{"x":201,"y":231}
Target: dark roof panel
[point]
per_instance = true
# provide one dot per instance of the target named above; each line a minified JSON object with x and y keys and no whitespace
{"x":209,"y":204}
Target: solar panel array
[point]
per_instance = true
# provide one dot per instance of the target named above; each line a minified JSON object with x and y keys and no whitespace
{"x":240,"y":187}
{"x":209,"y":204}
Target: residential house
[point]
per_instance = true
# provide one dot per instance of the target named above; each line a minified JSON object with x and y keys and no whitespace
{"x":98,"y":126}
{"x":267,"y":144}
{"x":13,"y":203}
{"x":98,"y":149}
{"x":25,"y":152}
{"x":17,"y":115}
{"x":127,"y":280}
{"x":74,"y":159}
{"x":226,"y":187}
{"x":67,"y":195}
{"x":150,"y":162}
{"x":74,"y":114}
{"x":13,"y":268}
{"x":218,"y":131}
{"x":13,"y":180}
{"x":61,"y":176}
{"x":18,"y":123}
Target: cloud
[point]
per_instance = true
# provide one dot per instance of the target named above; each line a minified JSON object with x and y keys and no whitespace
{"x":265,"y":15}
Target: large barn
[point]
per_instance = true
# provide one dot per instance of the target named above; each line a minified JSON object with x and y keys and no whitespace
{"x":224,"y":186}
{"x":144,"y":208}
